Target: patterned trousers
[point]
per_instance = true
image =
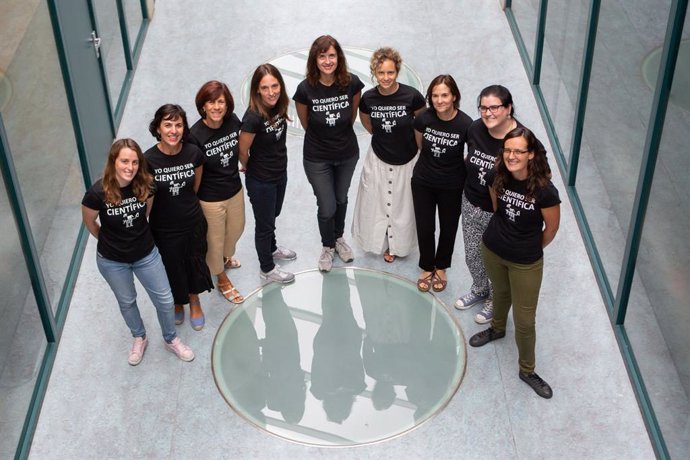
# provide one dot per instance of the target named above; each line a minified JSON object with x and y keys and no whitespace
{"x":474,"y":222}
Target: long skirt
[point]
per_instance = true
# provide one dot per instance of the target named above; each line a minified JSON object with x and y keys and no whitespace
{"x":384,"y":213}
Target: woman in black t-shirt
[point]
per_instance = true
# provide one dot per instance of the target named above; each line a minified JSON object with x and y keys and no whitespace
{"x":438,"y":178}
{"x":220,"y":192}
{"x":177,"y":222}
{"x":121,"y":201}
{"x":263,"y":156}
{"x":327,"y":102}
{"x":526,"y":219}
{"x":383,"y":221}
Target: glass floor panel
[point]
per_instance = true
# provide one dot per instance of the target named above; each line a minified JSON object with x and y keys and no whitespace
{"x":349,"y":357}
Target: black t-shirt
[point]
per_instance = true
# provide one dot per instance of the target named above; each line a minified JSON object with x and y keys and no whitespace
{"x":176,"y":207}
{"x":482,"y":151}
{"x":441,"y":161}
{"x":514,"y":232}
{"x":329,"y":134}
{"x":221,"y":178}
{"x":125,"y":235}
{"x":268,"y":153}
{"x":391,"y":121}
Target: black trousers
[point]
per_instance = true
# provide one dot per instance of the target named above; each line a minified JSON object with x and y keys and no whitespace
{"x":449,"y":204}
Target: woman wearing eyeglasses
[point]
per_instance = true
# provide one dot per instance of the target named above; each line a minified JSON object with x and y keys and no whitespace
{"x":525,"y":221}
{"x":484,"y":142}
{"x":438,"y":179}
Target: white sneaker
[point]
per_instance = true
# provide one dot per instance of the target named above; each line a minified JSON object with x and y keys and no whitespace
{"x":181,"y":350}
{"x":326,"y":259}
{"x":136,"y":354}
{"x":278,"y":275}
{"x":282,"y":253}
{"x":344,"y":250}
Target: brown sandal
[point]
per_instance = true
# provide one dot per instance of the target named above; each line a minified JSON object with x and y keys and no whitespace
{"x":231,"y":262}
{"x":388,"y":257}
{"x":230,"y":293}
{"x":424,"y":282}
{"x":437,"y":283}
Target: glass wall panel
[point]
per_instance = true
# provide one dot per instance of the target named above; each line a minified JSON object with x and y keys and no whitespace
{"x":112,"y":50}
{"x":564,"y":42}
{"x":134,"y":17}
{"x":658,"y":316}
{"x":41,"y":140}
{"x":618,"y":112}
{"x":526,"y":14}
{"x":22,"y":340}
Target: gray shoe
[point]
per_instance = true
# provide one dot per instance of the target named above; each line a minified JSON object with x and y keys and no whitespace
{"x":277,"y":275}
{"x":469,"y":300}
{"x":282,"y":253}
{"x":326,"y":259}
{"x":486,"y":314}
{"x":344,"y":250}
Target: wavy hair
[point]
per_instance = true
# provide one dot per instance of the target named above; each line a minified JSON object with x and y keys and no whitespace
{"x":381,"y":55}
{"x":142,"y":183}
{"x":168,"y":112}
{"x":321,"y":45}
{"x":538,"y":171}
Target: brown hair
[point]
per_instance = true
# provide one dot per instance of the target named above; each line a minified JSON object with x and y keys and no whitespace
{"x":381,"y":55}
{"x":142,"y":183}
{"x":450,"y":83}
{"x":257,"y":104}
{"x":209,"y":92}
{"x":538,"y":171}
{"x":168,"y":112}
{"x":321,"y":45}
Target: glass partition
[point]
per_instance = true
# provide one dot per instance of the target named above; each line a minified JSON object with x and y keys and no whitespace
{"x":526,"y":13}
{"x":134,"y":17}
{"x":112,"y":49}
{"x":615,"y":126}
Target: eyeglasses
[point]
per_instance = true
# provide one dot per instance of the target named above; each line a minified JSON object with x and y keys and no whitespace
{"x":515,"y":152}
{"x":491,"y":108}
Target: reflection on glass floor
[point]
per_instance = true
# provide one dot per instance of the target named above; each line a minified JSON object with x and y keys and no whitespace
{"x":349,"y":357}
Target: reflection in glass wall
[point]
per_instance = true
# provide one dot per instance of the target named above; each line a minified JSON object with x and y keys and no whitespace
{"x":526,"y":14}
{"x":618,"y":111}
{"x":41,"y":140}
{"x":22,"y":340}
{"x":564,"y":41}
{"x":112,"y":49}
{"x":658,"y":318}
{"x":134,"y":17}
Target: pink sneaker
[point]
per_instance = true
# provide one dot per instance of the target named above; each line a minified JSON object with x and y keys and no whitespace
{"x":180,"y":349}
{"x":136,"y":354}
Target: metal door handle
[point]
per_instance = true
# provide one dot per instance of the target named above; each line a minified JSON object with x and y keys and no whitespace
{"x":96,"y":43}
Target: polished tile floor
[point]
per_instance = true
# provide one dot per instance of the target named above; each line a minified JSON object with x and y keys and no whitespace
{"x":97,"y":406}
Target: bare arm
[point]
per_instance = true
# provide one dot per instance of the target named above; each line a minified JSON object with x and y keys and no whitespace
{"x":149,"y":203}
{"x":366,"y":121}
{"x":89,"y":216}
{"x":302,"y":114}
{"x":355,"y":106}
{"x":418,"y":138}
{"x":494,"y":200}
{"x":198,"y":172}
{"x":246,"y":140}
{"x":552,"y":219}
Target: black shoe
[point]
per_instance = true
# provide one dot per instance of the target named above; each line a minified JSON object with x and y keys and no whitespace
{"x":487,"y":335}
{"x":539,"y":386}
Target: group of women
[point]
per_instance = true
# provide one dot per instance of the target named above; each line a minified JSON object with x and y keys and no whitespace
{"x":415,"y":171}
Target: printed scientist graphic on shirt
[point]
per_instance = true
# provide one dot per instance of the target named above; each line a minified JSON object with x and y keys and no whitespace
{"x":224,"y":148}
{"x":440,"y":141}
{"x":175,"y":176}
{"x":514,"y":202}
{"x":485,"y":162}
{"x":129,"y":208}
{"x":388,"y":116}
{"x":332,"y":108}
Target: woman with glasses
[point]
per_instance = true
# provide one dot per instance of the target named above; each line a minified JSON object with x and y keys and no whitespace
{"x":263,"y":156}
{"x":220,"y":193}
{"x":484,"y":142}
{"x":121,"y":201}
{"x":438,"y":179}
{"x":327,"y":102}
{"x":525,"y":221}
{"x":383,"y":220}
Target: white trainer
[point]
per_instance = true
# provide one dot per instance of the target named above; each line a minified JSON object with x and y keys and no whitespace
{"x":326,"y":259}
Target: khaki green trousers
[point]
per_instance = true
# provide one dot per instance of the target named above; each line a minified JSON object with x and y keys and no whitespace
{"x":517,"y":285}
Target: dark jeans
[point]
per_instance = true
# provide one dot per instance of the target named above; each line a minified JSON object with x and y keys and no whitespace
{"x":330,"y":181}
{"x":449,"y":203}
{"x":267,"y":201}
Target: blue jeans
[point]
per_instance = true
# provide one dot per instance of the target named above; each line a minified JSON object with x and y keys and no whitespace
{"x":151,"y":274}
{"x":330,"y":181}
{"x":267,"y":201}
